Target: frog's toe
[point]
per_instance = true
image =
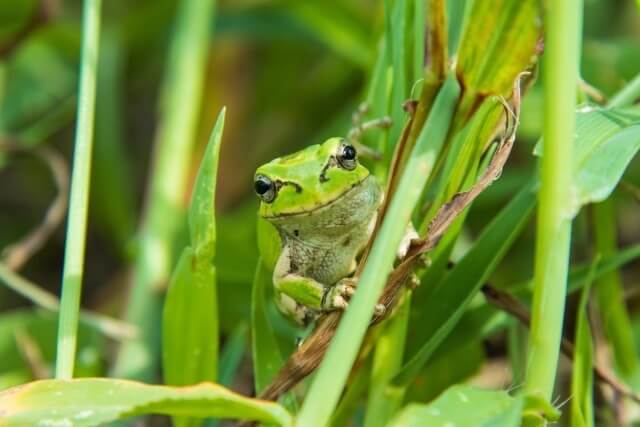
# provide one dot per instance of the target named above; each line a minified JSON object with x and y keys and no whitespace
{"x":346,"y":289}
{"x":339,"y":302}
{"x":380,"y":309}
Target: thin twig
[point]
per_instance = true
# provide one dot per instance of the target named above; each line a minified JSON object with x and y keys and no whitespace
{"x":17,"y":254}
{"x":31,"y":353}
{"x":510,"y":305}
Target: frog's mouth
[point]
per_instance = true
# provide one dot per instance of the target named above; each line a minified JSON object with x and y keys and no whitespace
{"x":319,"y":207}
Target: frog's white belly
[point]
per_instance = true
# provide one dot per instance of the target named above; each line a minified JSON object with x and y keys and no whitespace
{"x":324,"y":244}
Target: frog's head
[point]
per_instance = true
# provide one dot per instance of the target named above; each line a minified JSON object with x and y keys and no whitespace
{"x":309,"y":179}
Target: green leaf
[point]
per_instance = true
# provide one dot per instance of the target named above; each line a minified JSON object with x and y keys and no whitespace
{"x":464,"y":406}
{"x":582,"y":376}
{"x":202,"y":224}
{"x":496,"y":47}
{"x":232,"y":354}
{"x":267,"y":359}
{"x":190,"y":318}
{"x":610,"y":292}
{"x":93,"y":402}
{"x":190,"y":344}
{"x":599,"y":172}
{"x":606,"y":140}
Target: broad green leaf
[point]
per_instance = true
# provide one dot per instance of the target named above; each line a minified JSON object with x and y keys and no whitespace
{"x":606,"y":140}
{"x":94,"y":401}
{"x":598,"y":174}
{"x":464,"y":406}
{"x":267,"y":359}
{"x":496,"y":47}
{"x":582,"y":373}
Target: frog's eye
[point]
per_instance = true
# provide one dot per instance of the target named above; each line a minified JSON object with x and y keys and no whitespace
{"x":265,"y":188}
{"x":347,"y":156}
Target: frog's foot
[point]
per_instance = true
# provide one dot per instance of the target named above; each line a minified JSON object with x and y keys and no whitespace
{"x":413,"y":282}
{"x":337,"y":297}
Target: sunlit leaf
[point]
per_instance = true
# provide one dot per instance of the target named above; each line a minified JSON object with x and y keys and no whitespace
{"x":93,"y":402}
{"x":464,"y":406}
{"x":496,"y":47}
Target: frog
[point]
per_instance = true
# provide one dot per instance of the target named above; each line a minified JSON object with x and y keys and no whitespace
{"x":323,"y":203}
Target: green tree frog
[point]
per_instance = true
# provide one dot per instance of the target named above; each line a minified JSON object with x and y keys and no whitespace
{"x":323,"y":204}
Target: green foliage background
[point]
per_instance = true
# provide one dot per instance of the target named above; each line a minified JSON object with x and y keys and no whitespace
{"x":290,"y":74}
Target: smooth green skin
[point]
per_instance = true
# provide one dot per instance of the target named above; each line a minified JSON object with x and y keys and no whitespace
{"x":324,"y":215}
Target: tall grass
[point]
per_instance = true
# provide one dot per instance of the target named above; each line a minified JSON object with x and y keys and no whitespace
{"x":164,"y":215}
{"x":560,"y":78}
{"x":79,"y":200}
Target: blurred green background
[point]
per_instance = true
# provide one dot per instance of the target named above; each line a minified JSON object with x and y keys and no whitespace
{"x":290,"y":74}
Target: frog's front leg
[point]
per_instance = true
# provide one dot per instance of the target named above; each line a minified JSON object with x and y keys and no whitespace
{"x":311,"y":293}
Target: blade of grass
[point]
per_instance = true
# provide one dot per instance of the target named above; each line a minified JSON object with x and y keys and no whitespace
{"x":181,"y":93}
{"x":609,"y":292}
{"x":627,"y":95}
{"x":190,"y":318}
{"x":232,"y":354}
{"x":387,"y":360}
{"x":79,"y":199}
{"x":582,"y":378}
{"x":267,"y":359}
{"x":332,"y":374}
{"x":560,"y":74}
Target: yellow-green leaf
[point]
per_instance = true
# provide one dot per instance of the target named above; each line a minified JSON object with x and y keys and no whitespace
{"x":94,"y":401}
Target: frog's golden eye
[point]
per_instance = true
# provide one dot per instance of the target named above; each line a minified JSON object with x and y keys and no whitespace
{"x":265,"y":188}
{"x":347,"y":156}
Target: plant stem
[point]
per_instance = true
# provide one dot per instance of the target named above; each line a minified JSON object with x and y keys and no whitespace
{"x":332,"y":375}
{"x":628,"y":94}
{"x":180,"y":105}
{"x":560,"y":73}
{"x":79,"y":199}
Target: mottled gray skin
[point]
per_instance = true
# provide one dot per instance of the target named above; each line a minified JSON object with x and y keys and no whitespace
{"x":319,"y":249}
